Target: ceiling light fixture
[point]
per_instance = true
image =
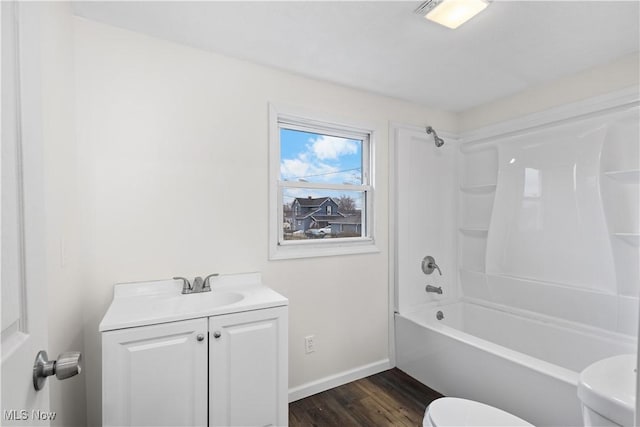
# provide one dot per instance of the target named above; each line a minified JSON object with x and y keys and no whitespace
{"x":451,"y":13}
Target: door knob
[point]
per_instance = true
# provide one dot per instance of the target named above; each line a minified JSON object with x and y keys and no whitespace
{"x":67,"y":365}
{"x":217,"y":334}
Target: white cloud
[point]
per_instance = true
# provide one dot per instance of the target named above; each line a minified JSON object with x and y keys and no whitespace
{"x":290,"y":168}
{"x":331,"y":147}
{"x":321,"y":161}
{"x":294,"y":169}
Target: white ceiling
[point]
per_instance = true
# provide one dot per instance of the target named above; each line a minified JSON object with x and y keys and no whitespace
{"x":383,"y":47}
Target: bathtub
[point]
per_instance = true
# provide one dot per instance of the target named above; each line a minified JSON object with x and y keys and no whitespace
{"x":521,"y":363}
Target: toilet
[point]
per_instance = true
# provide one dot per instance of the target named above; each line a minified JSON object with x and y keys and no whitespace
{"x":453,"y":411}
{"x":607,"y":389}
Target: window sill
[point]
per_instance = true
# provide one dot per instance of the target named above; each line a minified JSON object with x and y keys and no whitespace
{"x":314,"y":251}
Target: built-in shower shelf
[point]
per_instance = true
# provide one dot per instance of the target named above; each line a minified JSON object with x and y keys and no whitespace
{"x":478,"y":189}
{"x":626,"y":175}
{"x":473,"y":231}
{"x":631,"y":238}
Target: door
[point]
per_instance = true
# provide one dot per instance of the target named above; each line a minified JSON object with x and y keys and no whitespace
{"x":155,"y":375}
{"x":248,"y":368}
{"x":24,"y":317}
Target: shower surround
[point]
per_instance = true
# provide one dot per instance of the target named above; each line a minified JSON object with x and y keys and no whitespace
{"x":547,"y":239}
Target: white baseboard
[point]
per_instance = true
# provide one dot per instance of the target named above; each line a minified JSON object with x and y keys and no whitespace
{"x":326,"y":383}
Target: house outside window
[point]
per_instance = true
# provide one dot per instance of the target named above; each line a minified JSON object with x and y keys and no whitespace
{"x":321,"y":186}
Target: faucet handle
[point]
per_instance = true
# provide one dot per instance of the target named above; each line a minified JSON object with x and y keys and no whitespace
{"x":429,"y":264}
{"x":434,"y":265}
{"x":186,"y":286}
{"x":207,"y":286}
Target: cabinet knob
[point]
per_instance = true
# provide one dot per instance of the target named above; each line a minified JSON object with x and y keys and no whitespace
{"x":217,"y":334}
{"x":200,"y":337}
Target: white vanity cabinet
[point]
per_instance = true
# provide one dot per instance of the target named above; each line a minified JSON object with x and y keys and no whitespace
{"x":219,"y":357}
{"x":155,"y":375}
{"x":247,"y":368}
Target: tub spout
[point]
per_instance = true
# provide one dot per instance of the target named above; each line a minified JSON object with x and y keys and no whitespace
{"x":437,"y":290}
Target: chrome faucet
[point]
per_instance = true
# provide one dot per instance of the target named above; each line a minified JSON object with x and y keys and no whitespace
{"x":437,"y":290}
{"x":199,"y":285}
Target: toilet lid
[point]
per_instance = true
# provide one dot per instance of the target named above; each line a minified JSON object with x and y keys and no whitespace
{"x":453,"y":411}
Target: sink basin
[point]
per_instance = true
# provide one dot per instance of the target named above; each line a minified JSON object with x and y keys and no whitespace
{"x":608,"y":387}
{"x":212,"y":299}
{"x":191,"y":303}
{"x":161,"y":301}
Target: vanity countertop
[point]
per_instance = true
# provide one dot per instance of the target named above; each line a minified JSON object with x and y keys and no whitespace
{"x":161,"y":301}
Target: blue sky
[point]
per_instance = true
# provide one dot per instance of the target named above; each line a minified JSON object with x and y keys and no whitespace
{"x":312,"y":157}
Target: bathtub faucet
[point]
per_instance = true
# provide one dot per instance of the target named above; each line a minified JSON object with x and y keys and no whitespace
{"x":437,"y":290}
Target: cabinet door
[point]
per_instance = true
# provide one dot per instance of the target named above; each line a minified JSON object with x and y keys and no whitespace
{"x":248,"y":368}
{"x":155,"y":375}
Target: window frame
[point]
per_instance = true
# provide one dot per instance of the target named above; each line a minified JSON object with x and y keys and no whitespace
{"x":297,"y":119}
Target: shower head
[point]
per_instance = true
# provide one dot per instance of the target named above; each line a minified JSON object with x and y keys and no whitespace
{"x":439,"y":141}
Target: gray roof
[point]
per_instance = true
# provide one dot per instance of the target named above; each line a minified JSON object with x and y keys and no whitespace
{"x":320,"y":216}
{"x":311,"y":202}
{"x":350,"y":219}
{"x":330,"y":218}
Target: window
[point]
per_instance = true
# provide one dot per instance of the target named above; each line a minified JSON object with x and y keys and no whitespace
{"x":321,"y":195}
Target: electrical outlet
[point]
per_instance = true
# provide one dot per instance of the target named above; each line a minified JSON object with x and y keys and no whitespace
{"x":309,"y":344}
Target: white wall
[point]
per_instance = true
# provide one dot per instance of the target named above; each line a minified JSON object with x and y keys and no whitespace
{"x":617,"y":75}
{"x":65,"y":289}
{"x":172,"y":148}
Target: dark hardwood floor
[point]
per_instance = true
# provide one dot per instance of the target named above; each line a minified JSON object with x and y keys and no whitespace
{"x":390,"y":398}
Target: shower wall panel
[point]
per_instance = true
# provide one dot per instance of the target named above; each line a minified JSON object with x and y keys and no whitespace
{"x":425,"y":220}
{"x":548,"y":221}
{"x":563,"y":233}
